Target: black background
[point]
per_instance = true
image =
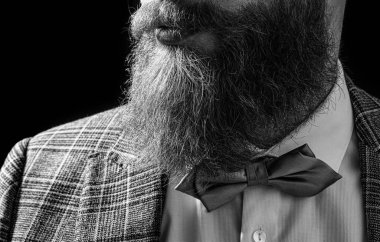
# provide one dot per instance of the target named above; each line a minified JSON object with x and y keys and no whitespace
{"x":63,"y":60}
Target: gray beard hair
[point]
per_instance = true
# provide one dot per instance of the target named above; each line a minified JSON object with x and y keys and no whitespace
{"x":185,"y":108}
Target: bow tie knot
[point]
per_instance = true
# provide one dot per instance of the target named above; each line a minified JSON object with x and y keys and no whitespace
{"x":257,"y":174}
{"x":297,"y":173}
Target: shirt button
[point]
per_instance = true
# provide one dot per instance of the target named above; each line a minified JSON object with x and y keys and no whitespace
{"x":259,"y":236}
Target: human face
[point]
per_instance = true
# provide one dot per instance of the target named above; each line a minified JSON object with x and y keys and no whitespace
{"x":269,"y":66}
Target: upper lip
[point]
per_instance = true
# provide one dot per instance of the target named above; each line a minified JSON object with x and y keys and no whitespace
{"x":176,"y":28}
{"x":167,"y":26}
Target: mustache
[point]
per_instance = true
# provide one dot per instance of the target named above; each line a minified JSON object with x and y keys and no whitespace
{"x":167,"y":14}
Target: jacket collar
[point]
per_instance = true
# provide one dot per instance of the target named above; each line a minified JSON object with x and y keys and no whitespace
{"x":367,"y":123}
{"x":366,"y":115}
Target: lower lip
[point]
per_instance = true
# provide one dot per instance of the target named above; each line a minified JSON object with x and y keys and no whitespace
{"x":171,"y":36}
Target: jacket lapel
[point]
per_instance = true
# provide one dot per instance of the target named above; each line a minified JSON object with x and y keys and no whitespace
{"x":367,"y":123}
{"x":122,"y":198}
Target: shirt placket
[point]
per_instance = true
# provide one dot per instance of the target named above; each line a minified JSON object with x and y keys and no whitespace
{"x":259,"y":215}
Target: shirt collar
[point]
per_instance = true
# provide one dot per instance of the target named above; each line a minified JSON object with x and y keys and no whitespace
{"x":329,"y":131}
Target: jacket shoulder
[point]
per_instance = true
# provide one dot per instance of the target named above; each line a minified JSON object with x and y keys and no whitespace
{"x":69,"y":144}
{"x":95,"y":132}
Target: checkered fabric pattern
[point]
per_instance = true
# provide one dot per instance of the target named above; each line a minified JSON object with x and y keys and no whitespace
{"x":80,"y":182}
{"x":83,"y":181}
{"x":367,"y":123}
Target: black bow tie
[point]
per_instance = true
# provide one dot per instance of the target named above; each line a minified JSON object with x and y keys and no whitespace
{"x":297,"y":173}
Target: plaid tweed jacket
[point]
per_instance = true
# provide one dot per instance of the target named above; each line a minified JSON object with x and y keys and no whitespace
{"x":82,"y":181}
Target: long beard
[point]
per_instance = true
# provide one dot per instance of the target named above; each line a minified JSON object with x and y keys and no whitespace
{"x":272,"y":68}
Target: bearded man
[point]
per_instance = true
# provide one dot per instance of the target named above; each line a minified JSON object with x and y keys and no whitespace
{"x":240,"y":125}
